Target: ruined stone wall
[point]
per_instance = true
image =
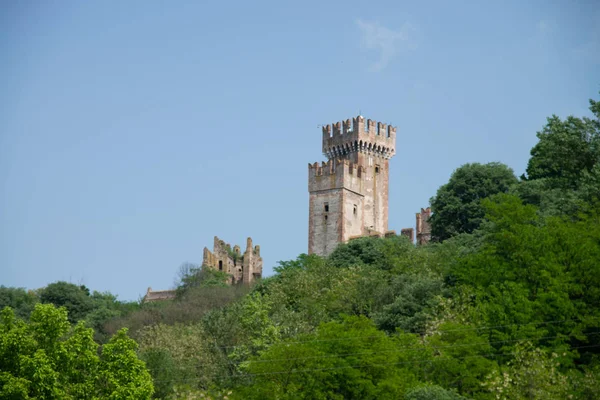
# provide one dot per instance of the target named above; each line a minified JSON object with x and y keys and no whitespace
{"x":158,"y":295}
{"x":409,"y":233}
{"x":252,"y":269}
{"x":243,"y":268}
{"x":423,"y":226}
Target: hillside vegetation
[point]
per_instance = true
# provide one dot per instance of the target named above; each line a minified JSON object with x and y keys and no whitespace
{"x":503,"y":304}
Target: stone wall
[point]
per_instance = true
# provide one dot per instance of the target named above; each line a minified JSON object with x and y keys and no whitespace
{"x":158,"y":295}
{"x":243,"y":268}
{"x":409,"y":233}
{"x":423,"y":226}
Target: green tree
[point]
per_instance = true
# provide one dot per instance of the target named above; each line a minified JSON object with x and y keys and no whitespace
{"x":192,"y":276}
{"x":532,"y":270}
{"x":531,"y":374}
{"x":179,"y":354}
{"x":431,"y":392}
{"x":552,"y":200}
{"x":304,"y":297}
{"x":414,"y":296}
{"x":350,"y":359}
{"x":461,"y":358}
{"x":257,"y":330}
{"x":457,"y":206}
{"x":566,"y":149}
{"x":383,"y":253}
{"x":76,"y":299}
{"x":121,"y":374}
{"x":563,"y":173}
{"x":47,"y":358}
{"x":106,"y":307}
{"x":19,"y":299}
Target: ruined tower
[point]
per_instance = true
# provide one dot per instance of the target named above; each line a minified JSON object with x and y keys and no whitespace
{"x":242,"y":268}
{"x":349,"y":192}
{"x":423,"y":226}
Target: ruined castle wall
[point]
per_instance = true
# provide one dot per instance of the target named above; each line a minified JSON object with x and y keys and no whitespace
{"x":409,"y":233}
{"x":423,"y":226}
{"x":257,"y":266}
{"x":252,"y":268}
{"x":244,"y":268}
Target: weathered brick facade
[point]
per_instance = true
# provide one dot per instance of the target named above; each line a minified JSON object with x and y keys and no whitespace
{"x":243,"y":268}
{"x":349,"y":192}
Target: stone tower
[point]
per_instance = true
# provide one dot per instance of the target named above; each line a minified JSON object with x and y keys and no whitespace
{"x":423,"y":226}
{"x":349,"y":192}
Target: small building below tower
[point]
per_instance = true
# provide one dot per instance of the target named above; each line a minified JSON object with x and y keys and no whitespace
{"x":158,"y":295}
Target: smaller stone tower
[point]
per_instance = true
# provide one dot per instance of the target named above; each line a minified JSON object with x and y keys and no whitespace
{"x":423,"y":226}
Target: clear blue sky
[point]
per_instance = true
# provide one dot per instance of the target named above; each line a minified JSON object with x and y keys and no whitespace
{"x":132,"y":132}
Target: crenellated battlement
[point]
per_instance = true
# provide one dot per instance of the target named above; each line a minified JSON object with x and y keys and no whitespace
{"x":359,"y":135}
{"x":333,"y":167}
{"x":336,"y":174}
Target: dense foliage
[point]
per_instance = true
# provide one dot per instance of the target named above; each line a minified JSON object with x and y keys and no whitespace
{"x":457,"y":205}
{"x":504,"y":305}
{"x":47,"y":358}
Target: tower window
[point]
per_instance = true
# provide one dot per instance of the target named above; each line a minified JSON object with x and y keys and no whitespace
{"x":377,"y":169}
{"x":326,"y":218}
{"x":220,"y":265}
{"x":326,"y":207}
{"x":354,"y":211}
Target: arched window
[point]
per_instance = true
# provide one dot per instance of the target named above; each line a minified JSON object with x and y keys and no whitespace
{"x":220,"y":265}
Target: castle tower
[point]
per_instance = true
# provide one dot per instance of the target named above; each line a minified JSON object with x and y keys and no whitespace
{"x":349,"y":193}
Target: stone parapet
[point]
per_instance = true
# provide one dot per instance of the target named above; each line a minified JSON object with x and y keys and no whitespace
{"x":358,"y":135}
{"x":335,"y":174}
